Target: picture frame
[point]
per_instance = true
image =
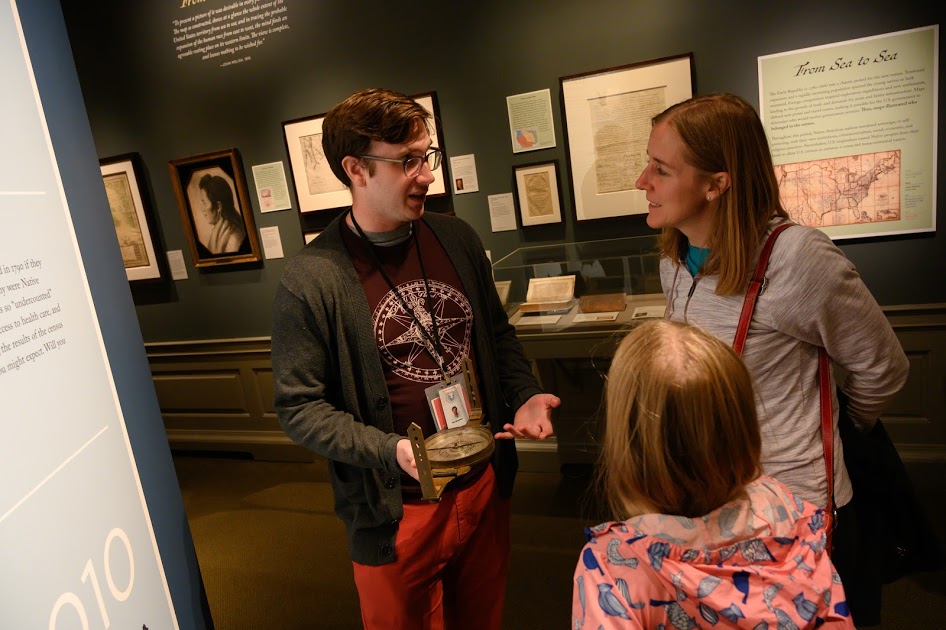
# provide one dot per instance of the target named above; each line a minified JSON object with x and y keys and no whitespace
{"x":310,"y":235}
{"x":134,"y":222}
{"x":537,"y":193}
{"x":316,"y":186}
{"x":429,"y":101}
{"x":607,"y":118}
{"x":215,"y":208}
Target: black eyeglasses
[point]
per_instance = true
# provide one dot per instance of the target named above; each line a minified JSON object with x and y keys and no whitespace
{"x":413,"y":163}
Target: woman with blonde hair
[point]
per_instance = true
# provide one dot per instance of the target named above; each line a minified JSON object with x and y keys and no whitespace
{"x":702,"y":537}
{"x":713,"y":191}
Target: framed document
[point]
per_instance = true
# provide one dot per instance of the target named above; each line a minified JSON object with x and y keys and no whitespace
{"x":607,"y":122}
{"x":537,"y":191}
{"x":315,"y":184}
{"x":134,"y":222}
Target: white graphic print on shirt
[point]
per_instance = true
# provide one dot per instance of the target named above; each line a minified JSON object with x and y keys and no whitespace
{"x":401,"y":342}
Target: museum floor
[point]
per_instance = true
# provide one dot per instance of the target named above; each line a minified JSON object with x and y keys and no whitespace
{"x":273,"y":555}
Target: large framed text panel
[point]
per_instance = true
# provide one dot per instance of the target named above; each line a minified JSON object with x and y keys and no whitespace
{"x":853,"y":130}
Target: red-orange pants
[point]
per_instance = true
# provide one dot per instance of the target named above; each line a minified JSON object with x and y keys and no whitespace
{"x":452,"y":560}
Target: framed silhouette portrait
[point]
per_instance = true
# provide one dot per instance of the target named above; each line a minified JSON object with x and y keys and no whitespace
{"x":215,"y":209}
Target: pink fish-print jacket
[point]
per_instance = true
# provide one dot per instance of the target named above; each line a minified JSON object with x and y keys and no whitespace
{"x":760,"y":558}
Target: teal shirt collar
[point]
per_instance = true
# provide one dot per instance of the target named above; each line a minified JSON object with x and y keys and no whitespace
{"x":695,"y":257}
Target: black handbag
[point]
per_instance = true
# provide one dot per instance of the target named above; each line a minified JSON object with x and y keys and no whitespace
{"x":894,"y":530}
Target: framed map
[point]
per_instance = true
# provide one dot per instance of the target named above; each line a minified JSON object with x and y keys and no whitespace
{"x":852,"y":129}
{"x":133,"y":219}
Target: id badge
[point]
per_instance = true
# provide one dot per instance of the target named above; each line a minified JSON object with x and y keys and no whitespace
{"x":448,"y":402}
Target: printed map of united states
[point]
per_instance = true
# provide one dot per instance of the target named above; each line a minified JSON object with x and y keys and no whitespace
{"x":862,"y":188}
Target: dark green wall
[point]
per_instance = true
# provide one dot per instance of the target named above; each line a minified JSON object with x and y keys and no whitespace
{"x":141,"y":98}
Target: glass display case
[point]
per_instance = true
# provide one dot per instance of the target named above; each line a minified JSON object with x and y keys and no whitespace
{"x":585,"y":285}
{"x":583,"y":296}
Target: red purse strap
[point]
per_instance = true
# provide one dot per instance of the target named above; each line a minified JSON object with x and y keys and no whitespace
{"x":827,"y":432}
{"x":756,"y":287}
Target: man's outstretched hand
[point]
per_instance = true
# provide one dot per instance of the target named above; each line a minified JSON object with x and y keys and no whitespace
{"x":533,"y":419}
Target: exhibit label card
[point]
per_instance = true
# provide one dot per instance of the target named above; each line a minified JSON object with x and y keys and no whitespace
{"x":539,"y":320}
{"x":272,"y":191}
{"x":649,"y":312}
{"x":582,"y":318}
{"x":852,"y":128}
{"x":463,"y":168}
{"x":176,"y":265}
{"x":272,"y":244}
{"x":502,"y":212}
{"x":530,"y":121}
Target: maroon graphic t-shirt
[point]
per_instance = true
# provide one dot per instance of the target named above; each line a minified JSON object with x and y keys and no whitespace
{"x":408,"y":355}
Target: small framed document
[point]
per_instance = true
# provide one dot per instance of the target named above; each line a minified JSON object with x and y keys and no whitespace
{"x":530,"y":121}
{"x":315,"y":185}
{"x":537,"y":192}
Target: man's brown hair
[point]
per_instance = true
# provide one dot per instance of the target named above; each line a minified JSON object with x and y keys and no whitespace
{"x":375,"y":114}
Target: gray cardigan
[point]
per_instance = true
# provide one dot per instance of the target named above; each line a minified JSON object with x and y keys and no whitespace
{"x":330,"y":390}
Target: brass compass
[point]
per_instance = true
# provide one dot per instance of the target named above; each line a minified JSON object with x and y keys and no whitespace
{"x":450,"y":453}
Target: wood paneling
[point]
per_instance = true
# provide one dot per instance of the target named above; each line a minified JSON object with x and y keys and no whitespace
{"x":218,"y":394}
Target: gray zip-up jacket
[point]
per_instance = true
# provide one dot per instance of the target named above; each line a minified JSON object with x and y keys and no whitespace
{"x":813,"y":297}
{"x":330,"y":391}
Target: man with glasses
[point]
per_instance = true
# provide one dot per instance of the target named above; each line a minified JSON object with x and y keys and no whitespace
{"x":377,"y":312}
